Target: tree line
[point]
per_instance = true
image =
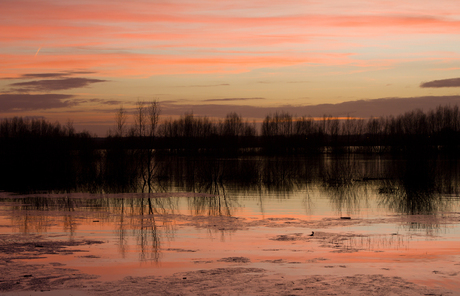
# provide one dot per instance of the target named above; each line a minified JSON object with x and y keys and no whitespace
{"x":38,"y":155}
{"x":283,"y":132}
{"x":280,"y":132}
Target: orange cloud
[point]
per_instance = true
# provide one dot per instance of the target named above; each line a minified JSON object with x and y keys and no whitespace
{"x":126,"y":64}
{"x":143,"y":19}
{"x":147,"y":38}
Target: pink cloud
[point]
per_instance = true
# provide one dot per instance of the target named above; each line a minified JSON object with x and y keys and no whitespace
{"x":146,"y":38}
{"x":162,"y":19}
{"x":126,"y":64}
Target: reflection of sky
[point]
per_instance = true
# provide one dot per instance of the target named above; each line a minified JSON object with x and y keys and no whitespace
{"x":187,"y":242}
{"x":266,"y":222}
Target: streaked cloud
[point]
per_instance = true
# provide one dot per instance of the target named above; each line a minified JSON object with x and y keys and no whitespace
{"x":54,"y":75}
{"x":109,"y":102}
{"x":127,"y":64}
{"x":141,"y":36}
{"x":272,"y":82}
{"x":39,"y":75}
{"x":54,"y":84}
{"x":233,"y":99}
{"x":25,"y":102}
{"x":49,"y":75}
{"x":96,"y":101}
{"x":207,"y":85}
{"x":453,"y":82}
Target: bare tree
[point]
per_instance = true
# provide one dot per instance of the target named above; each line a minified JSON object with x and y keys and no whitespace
{"x":304,"y":126}
{"x":120,"y":120}
{"x":153,"y":113}
{"x":279,"y":124}
{"x":233,"y":125}
{"x":140,"y":119}
{"x":146,"y":120}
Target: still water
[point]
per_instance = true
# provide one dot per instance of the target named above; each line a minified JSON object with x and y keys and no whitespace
{"x":293,"y":216}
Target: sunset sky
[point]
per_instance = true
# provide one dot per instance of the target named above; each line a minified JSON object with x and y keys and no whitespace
{"x":81,"y":60}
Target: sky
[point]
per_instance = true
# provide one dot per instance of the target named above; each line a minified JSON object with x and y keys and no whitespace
{"x":80,"y":61}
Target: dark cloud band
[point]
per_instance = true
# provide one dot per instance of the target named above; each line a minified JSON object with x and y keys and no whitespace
{"x":53,"y":84}
{"x":453,"y":82}
{"x":360,"y":108}
{"x":24,"y":102}
{"x":233,"y":99}
{"x":207,"y":85}
{"x":49,"y":75}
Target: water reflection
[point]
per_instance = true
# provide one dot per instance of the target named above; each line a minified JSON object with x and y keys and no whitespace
{"x":349,"y":182}
{"x":417,"y":187}
{"x":343,"y":180}
{"x":218,"y":190}
{"x":135,"y":217}
{"x":376,"y":242}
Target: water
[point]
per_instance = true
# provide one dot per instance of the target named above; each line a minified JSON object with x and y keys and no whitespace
{"x":369,"y":215}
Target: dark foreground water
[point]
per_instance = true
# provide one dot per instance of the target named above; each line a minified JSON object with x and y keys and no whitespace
{"x":369,"y":215}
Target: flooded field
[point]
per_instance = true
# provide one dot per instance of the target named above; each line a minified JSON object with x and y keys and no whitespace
{"x":343,"y":225}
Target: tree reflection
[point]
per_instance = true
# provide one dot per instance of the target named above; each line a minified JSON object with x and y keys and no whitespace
{"x":411,"y":186}
{"x":414,"y":188}
{"x":343,"y":182}
{"x":281,"y":174}
{"x":212,"y":178}
{"x":143,"y":216}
